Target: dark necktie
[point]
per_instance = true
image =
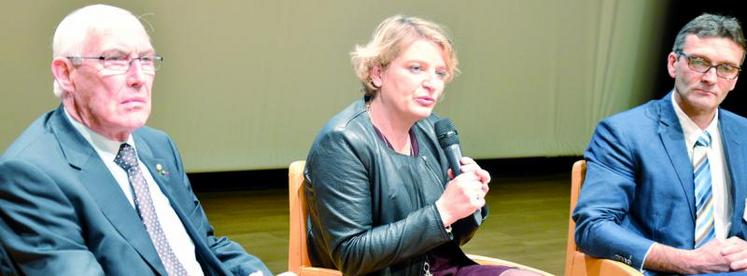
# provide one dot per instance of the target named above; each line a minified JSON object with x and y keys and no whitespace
{"x":127,"y":159}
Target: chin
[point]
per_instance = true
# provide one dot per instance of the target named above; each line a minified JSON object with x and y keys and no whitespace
{"x":422,"y":114}
{"x":135,"y":121}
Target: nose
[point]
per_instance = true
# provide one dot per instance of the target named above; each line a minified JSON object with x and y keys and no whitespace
{"x":135,"y":74}
{"x":430,"y":82}
{"x":710,"y":75}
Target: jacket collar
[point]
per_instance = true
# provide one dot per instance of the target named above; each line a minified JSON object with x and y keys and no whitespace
{"x":670,"y":133}
{"x":97,"y":179}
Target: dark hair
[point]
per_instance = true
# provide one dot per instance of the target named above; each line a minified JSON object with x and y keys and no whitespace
{"x":711,"y":25}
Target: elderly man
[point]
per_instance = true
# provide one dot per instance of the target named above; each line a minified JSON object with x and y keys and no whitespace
{"x":666,"y":181}
{"x":87,"y":189}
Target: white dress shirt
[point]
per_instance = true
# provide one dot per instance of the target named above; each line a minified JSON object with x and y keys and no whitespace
{"x":720,"y":181}
{"x":172,"y":226}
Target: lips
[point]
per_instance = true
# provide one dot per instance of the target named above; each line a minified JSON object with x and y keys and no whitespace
{"x":136,"y":101}
{"x":425,"y":101}
{"x":705,"y":92}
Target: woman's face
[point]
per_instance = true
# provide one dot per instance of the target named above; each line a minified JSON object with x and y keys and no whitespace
{"x":412,"y":83}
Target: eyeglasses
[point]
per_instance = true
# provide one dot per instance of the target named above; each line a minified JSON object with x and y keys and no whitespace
{"x":701,"y":65}
{"x":121,"y":64}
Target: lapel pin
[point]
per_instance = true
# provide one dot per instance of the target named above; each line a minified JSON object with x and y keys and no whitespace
{"x":161,"y":170}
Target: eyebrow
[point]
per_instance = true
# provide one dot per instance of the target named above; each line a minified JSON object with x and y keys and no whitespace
{"x":711,"y":62}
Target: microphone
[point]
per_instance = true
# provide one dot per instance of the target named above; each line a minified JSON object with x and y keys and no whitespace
{"x":448,"y":138}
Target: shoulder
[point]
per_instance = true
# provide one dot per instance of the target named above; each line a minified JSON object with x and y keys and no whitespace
{"x":36,"y":143}
{"x":647,"y":113}
{"x":152,"y":134}
{"x":351,"y":124}
{"x":728,"y":117}
{"x":347,"y":138}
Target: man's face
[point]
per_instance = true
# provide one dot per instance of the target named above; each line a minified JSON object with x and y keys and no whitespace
{"x":113,"y":104}
{"x":703,"y":92}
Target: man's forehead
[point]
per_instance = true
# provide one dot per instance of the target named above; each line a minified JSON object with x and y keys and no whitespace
{"x":126,"y":40}
{"x":723,"y":47}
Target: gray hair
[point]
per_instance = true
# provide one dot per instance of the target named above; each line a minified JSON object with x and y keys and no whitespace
{"x":73,"y":31}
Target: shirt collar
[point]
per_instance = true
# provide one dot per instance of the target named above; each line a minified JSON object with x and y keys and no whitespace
{"x":99,"y":142}
{"x":690,"y":130}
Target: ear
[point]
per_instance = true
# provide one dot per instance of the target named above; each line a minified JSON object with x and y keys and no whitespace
{"x":671,"y":67}
{"x":61,"y":69}
{"x":376,"y":73}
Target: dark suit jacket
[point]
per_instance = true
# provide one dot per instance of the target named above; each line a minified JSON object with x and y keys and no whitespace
{"x":639,"y":183}
{"x":62,"y":212}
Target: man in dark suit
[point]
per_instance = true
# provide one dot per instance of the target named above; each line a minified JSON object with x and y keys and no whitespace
{"x":88,"y":189}
{"x":666,"y":181}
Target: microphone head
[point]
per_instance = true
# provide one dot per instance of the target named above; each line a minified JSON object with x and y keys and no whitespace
{"x":446,"y":133}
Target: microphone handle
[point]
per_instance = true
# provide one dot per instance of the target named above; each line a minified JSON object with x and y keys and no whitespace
{"x":453,"y":155}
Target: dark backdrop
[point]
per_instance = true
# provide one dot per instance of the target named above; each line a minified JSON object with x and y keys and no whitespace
{"x":680,"y":12}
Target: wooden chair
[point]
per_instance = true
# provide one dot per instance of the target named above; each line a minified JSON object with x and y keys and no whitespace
{"x":298,"y":255}
{"x":576,"y":262}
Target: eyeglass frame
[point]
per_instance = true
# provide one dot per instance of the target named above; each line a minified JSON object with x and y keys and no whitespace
{"x":156,"y":59}
{"x":681,"y":53}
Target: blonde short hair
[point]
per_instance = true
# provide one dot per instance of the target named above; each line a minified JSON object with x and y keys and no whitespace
{"x":390,"y":38}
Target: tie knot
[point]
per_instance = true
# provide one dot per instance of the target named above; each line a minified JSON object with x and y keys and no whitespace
{"x":704,"y":140}
{"x":126,"y":157}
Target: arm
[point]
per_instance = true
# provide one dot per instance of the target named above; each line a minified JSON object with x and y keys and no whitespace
{"x":339,"y":172}
{"x":39,"y":226}
{"x":231,"y":255}
{"x":463,"y":196}
{"x":606,"y":199}
{"x":706,"y":259}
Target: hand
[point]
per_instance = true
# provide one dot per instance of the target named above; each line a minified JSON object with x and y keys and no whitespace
{"x":709,"y":258}
{"x":469,"y":165}
{"x":463,"y":196}
{"x":706,"y":259}
{"x":735,"y":250}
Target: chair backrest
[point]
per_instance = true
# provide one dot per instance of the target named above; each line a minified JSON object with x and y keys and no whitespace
{"x":298,"y":254}
{"x":578,"y":173}
{"x":576,"y":262}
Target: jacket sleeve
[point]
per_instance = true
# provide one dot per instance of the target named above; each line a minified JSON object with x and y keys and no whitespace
{"x":39,"y":227}
{"x":231,"y":255}
{"x":606,"y":198}
{"x":339,"y":171}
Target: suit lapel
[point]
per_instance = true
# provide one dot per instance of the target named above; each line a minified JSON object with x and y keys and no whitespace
{"x":734,"y":151}
{"x":673,"y":139}
{"x":166,"y":175}
{"x":102,"y":186}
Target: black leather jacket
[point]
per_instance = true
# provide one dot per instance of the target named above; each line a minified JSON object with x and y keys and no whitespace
{"x":372,"y":210}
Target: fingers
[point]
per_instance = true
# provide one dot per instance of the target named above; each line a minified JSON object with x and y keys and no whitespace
{"x":732,"y":245}
{"x":474,"y":189}
{"x":467,"y":160}
{"x":740,"y":265}
{"x":478,"y":202}
{"x":734,"y":249}
{"x":469,"y":165}
{"x":462,"y":197}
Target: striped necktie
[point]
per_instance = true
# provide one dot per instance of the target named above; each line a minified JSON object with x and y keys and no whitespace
{"x":704,"y":229}
{"x":127,"y":159}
